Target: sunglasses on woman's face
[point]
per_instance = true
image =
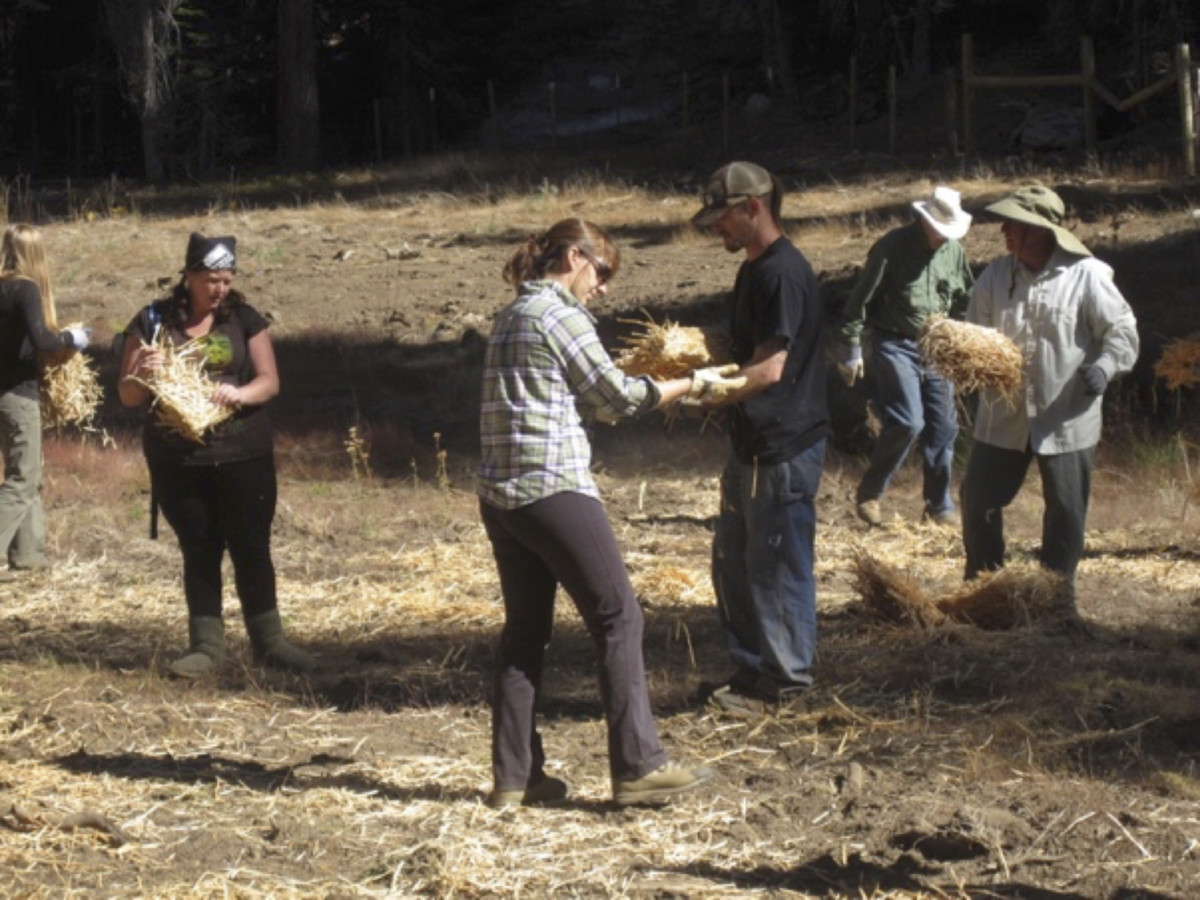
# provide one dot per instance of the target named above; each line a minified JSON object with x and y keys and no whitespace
{"x":603,"y":270}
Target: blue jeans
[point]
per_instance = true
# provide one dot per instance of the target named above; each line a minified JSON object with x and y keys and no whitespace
{"x":762,"y":569}
{"x":915,"y":402}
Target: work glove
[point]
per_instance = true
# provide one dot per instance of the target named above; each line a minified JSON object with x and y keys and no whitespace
{"x":79,"y":337}
{"x":1094,"y":380}
{"x":850,"y":367}
{"x":604,"y":417}
{"x":713,"y":385}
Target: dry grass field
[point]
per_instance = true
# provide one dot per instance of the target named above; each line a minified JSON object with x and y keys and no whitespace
{"x":948,"y":761}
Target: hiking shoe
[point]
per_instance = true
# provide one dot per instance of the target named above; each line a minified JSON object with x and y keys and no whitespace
{"x":946,"y":518}
{"x":745,"y":704}
{"x":737,"y":702}
{"x":661,"y":785}
{"x":870,"y":512}
{"x":546,"y":791}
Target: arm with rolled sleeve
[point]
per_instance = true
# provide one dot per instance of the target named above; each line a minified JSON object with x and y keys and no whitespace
{"x":590,"y":372}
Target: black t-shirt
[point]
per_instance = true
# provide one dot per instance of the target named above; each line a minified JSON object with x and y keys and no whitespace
{"x":23,"y":334}
{"x":777,"y":296}
{"x":247,"y":435}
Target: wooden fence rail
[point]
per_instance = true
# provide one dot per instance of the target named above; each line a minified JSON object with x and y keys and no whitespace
{"x":1085,"y":79}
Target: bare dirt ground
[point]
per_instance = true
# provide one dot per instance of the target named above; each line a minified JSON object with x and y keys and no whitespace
{"x":950,"y":762}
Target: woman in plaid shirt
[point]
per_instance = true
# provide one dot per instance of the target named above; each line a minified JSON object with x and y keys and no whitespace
{"x":546,"y":379}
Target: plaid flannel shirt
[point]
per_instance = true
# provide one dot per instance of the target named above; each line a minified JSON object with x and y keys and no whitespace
{"x":545,"y":377}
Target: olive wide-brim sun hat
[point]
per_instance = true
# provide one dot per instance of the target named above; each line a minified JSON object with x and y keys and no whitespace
{"x":1036,"y":204}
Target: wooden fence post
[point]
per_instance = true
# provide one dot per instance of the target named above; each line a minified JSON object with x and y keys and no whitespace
{"x":433,"y":135}
{"x":951,"y":90}
{"x":685,"y":100}
{"x":553,"y":120}
{"x":725,"y":114}
{"x":853,"y":97}
{"x":378,"y":123}
{"x":968,"y":69}
{"x":1087,"y":60}
{"x":1187,"y":112}
{"x":891,"y":100}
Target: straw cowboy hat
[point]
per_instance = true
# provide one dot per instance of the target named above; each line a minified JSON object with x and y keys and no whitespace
{"x":1036,"y":204}
{"x":944,"y":213}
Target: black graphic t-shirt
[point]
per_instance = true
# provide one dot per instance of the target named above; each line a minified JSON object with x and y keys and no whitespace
{"x":247,"y":435}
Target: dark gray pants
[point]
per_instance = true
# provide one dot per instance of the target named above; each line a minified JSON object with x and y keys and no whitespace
{"x":565,"y":539}
{"x":992,"y":480}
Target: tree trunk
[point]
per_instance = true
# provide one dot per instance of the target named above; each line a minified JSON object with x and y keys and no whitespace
{"x":922,"y":63}
{"x":778,"y":56}
{"x":150,"y":96}
{"x":299,"y":105}
{"x":141,"y":31}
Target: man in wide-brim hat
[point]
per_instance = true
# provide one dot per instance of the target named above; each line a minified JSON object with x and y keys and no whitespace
{"x":1076,"y":333}
{"x":912,"y":273}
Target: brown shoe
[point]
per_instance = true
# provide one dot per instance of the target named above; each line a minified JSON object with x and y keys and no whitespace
{"x":659,"y":786}
{"x":546,"y":791}
{"x":870,"y":512}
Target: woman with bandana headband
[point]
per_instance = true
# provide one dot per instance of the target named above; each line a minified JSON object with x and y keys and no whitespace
{"x":219,"y":494}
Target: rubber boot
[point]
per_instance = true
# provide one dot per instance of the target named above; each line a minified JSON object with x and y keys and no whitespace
{"x":272,"y":649}
{"x":207,"y":651}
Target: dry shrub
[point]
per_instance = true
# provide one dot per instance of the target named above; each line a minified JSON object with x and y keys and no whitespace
{"x":670,"y":350}
{"x":183,"y":391}
{"x":972,"y":356}
{"x":1179,"y":365}
{"x":69,"y":391}
{"x":1014,"y":597}
{"x":893,"y":595}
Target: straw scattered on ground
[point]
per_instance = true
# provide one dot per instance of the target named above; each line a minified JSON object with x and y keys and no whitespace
{"x":183,"y":390}
{"x":1179,"y":365}
{"x":670,"y":350}
{"x":972,"y":356}
{"x":893,"y":595}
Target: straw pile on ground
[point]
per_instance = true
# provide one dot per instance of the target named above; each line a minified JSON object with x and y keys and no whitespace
{"x":1179,"y":365}
{"x":183,"y":391}
{"x":893,"y":595}
{"x":972,"y":356}
{"x":670,"y":350}
{"x":1014,"y":597}
{"x":69,"y":391}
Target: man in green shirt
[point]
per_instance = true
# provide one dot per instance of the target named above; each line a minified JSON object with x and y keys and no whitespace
{"x":912,"y":273}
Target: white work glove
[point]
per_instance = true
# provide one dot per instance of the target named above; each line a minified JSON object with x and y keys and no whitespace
{"x":713,"y":385}
{"x":79,"y":337}
{"x":850,"y":366}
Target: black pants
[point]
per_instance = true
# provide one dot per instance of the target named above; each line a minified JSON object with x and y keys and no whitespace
{"x":565,"y":539}
{"x":993,"y":478}
{"x":217,"y":508}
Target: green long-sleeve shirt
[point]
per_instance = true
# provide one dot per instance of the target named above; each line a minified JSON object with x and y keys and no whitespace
{"x":904,"y":283}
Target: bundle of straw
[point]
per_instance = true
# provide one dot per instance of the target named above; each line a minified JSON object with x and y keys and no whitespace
{"x":1179,"y":365}
{"x":972,"y":356}
{"x":670,"y":350}
{"x":892,"y":595}
{"x":69,"y":392}
{"x":182,"y":390}
{"x":1014,"y":597}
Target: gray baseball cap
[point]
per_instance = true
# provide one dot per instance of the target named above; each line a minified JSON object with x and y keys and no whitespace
{"x":730,"y":185}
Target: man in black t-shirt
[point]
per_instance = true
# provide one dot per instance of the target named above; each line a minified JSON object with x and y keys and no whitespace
{"x":763,"y":550}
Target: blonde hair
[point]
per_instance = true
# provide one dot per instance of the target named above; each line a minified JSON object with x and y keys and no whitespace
{"x":24,"y":256}
{"x":545,"y":252}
